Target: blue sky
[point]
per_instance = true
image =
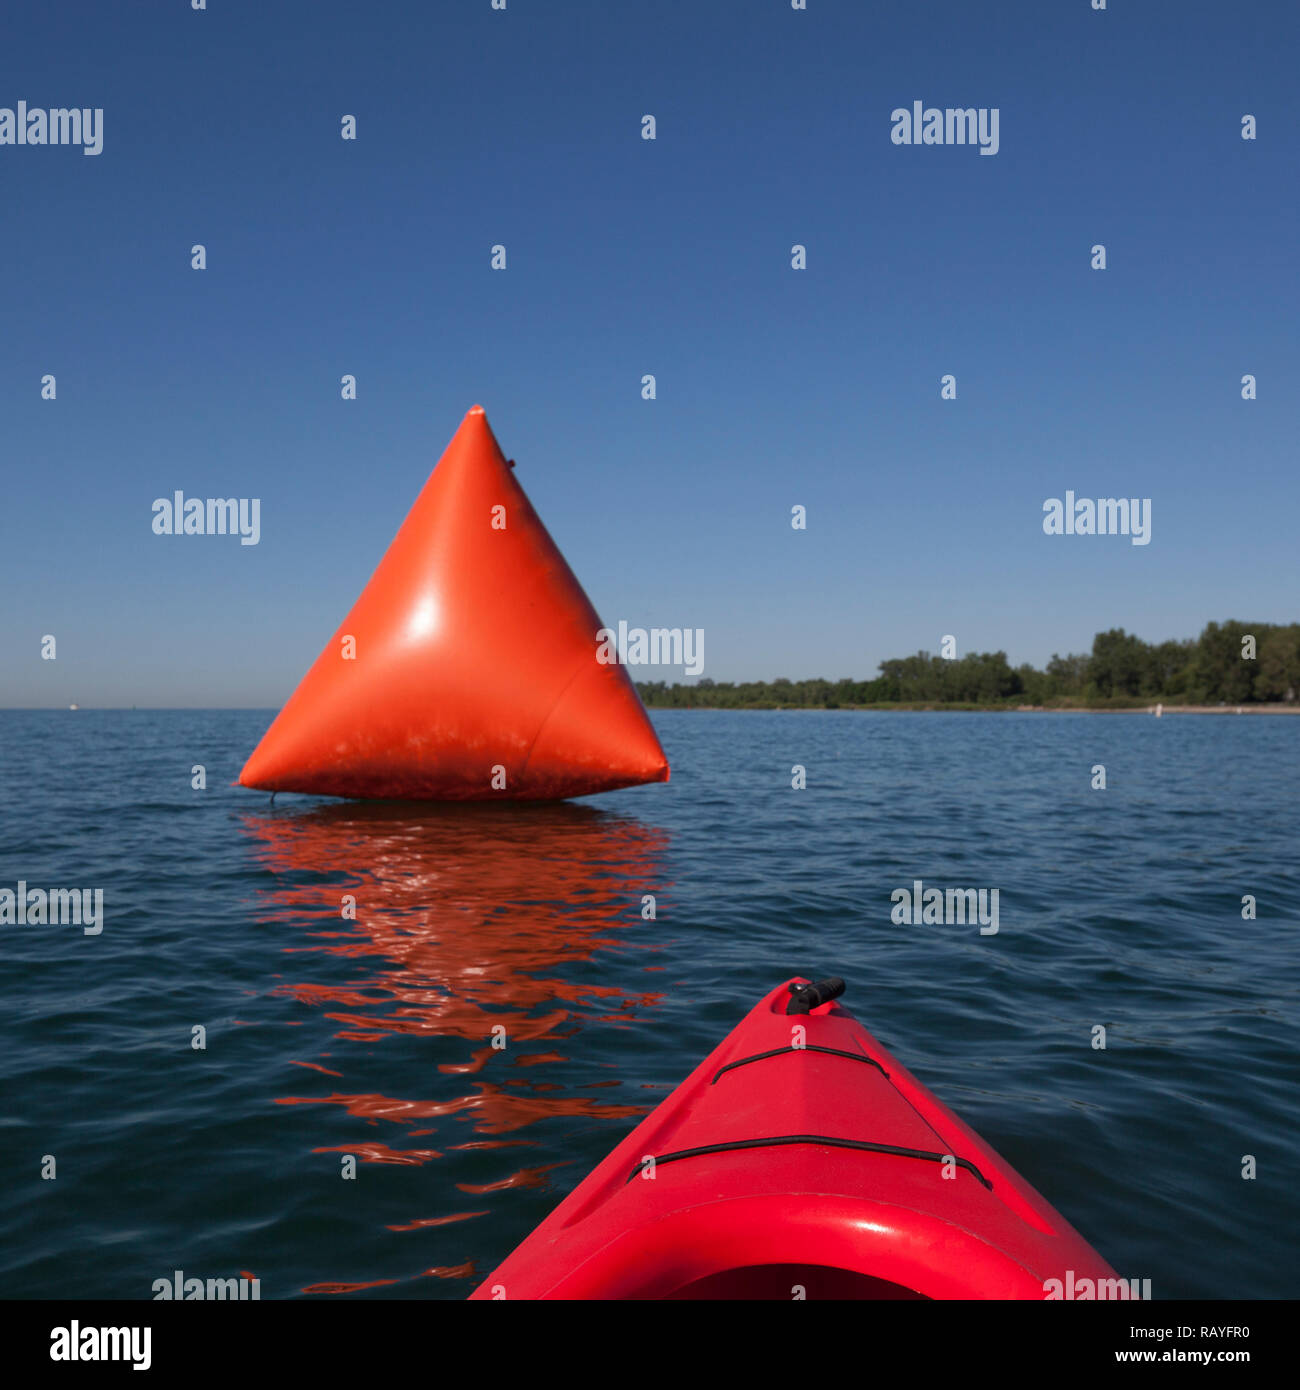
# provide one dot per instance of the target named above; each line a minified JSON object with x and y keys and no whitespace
{"x":626,"y":257}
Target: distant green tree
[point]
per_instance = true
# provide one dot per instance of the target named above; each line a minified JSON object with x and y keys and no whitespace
{"x":1068,"y":675}
{"x":1118,"y":665}
{"x":1218,"y":673}
{"x":1277,"y":676}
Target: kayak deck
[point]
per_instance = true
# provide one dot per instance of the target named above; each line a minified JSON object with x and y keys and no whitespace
{"x":799,"y":1159}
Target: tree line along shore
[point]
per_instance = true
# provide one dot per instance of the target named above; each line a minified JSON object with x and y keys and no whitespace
{"x":1252,"y":665}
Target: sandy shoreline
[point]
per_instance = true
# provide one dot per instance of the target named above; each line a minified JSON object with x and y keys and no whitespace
{"x":1167,"y":709}
{"x":1161,"y":710}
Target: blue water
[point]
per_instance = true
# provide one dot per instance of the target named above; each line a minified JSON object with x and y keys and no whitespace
{"x":327,"y":1036}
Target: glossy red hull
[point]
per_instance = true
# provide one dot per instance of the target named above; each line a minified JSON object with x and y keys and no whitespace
{"x":801,"y":1159}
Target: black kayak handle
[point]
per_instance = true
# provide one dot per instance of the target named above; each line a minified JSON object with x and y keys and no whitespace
{"x":805,"y":998}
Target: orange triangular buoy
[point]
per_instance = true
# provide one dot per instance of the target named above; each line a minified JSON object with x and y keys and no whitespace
{"x":468,"y":669}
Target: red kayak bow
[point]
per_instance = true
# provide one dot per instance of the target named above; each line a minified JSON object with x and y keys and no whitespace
{"x":802,"y":1160}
